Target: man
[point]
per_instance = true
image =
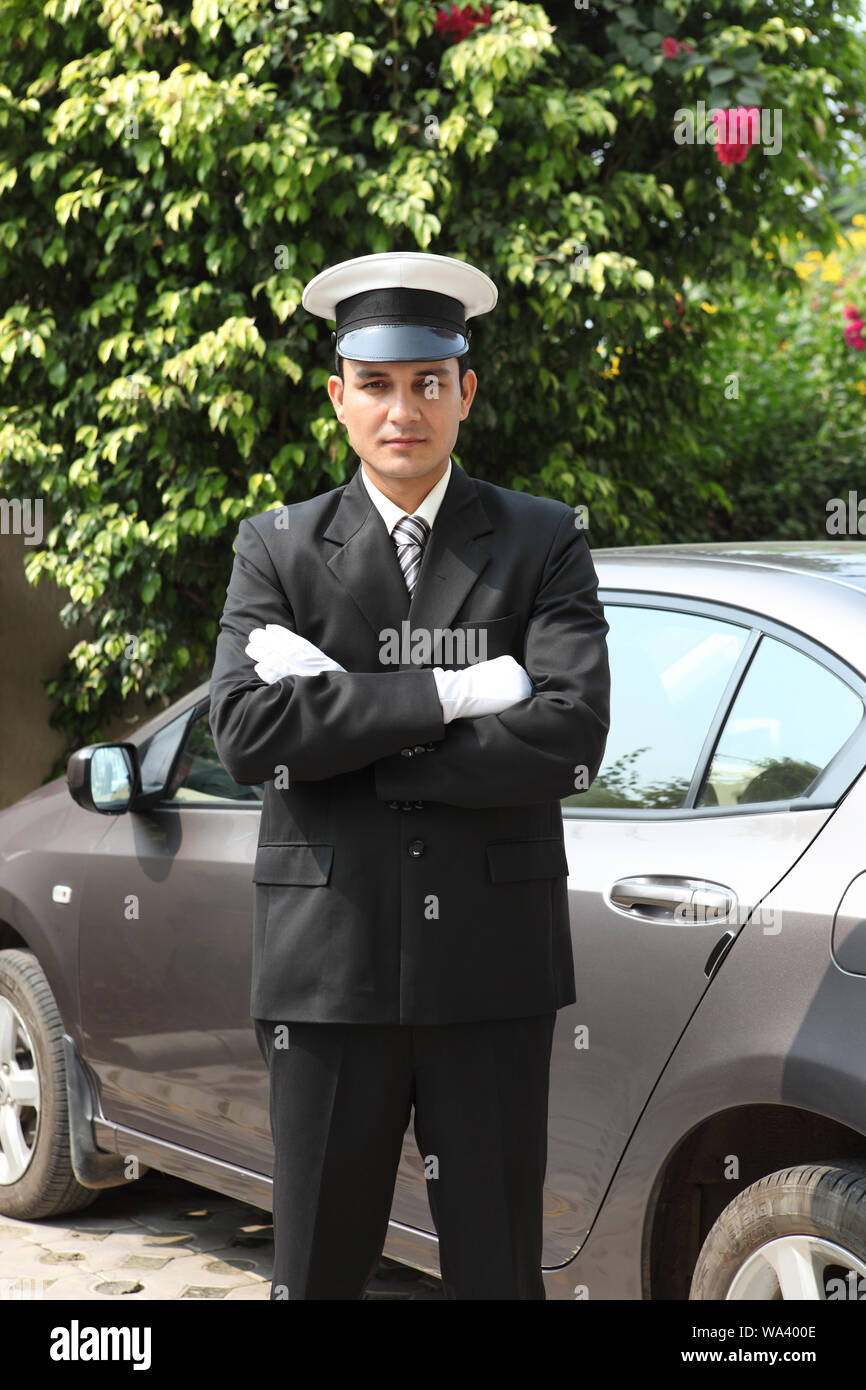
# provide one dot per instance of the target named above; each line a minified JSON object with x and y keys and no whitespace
{"x":415,"y":666}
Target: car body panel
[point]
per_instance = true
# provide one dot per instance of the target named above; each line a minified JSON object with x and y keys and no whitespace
{"x":741,"y":1049}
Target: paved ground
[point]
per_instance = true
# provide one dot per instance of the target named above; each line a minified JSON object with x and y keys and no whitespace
{"x":160,"y":1238}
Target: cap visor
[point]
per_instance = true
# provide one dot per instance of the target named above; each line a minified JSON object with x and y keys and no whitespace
{"x":401,"y":342}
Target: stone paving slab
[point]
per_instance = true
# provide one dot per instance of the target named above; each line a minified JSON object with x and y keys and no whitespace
{"x":162,"y":1238}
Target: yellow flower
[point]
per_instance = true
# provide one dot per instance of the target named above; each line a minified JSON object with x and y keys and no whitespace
{"x":709,"y":308}
{"x":859,"y":220}
{"x":861,"y":387}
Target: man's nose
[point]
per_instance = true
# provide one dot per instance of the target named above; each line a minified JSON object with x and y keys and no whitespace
{"x":403,"y":403}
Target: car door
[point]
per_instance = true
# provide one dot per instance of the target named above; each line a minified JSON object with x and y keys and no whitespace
{"x":717,"y":727}
{"x":165,"y":957}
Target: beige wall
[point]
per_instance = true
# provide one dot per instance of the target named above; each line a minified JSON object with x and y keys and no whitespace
{"x":33,"y":646}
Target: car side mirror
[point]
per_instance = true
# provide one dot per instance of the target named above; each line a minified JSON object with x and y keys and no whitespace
{"x":104,"y":777}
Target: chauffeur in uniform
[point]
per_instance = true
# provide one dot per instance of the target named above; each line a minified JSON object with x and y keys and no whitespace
{"x":411,"y":940}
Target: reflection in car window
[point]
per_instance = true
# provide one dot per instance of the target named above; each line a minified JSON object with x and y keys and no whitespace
{"x":668,"y":672}
{"x":157,"y":754}
{"x":200,"y":776}
{"x":790,"y":717}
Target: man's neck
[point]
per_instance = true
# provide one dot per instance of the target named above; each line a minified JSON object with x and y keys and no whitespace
{"x":407,"y":493}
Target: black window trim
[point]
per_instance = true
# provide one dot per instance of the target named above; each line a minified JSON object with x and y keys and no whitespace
{"x":831,"y":784}
{"x":219,"y":803}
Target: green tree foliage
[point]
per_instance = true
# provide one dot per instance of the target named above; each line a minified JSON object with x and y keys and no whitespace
{"x":172,"y":175}
{"x":792,"y":416}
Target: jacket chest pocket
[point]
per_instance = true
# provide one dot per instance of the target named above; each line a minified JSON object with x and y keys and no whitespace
{"x":467,"y":643}
{"x":303,"y":864}
{"x":512,"y":860}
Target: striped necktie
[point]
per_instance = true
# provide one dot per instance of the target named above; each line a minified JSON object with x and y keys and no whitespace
{"x":410,"y":536}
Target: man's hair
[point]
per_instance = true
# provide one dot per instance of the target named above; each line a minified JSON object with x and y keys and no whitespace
{"x":462,"y":364}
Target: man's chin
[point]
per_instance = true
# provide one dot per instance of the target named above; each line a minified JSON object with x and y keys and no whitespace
{"x":409,"y":461}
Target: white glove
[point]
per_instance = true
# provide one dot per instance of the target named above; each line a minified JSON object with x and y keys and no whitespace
{"x":487,"y":687}
{"x":278,"y":652}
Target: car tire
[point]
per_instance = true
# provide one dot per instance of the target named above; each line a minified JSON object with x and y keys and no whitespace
{"x":799,"y":1233}
{"x":36,"y":1174}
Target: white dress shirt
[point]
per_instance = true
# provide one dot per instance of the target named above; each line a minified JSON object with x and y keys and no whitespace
{"x":391,"y":513}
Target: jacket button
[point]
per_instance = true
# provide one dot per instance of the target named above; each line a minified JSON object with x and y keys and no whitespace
{"x":407,"y":752}
{"x":416,"y":849}
{"x":419,"y":748}
{"x":394,"y":805}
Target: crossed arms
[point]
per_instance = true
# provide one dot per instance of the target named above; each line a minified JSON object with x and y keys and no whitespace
{"x":333,"y":721}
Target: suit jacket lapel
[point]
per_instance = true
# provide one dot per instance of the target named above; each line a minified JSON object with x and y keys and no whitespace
{"x":454,"y":556}
{"x":366,"y":562}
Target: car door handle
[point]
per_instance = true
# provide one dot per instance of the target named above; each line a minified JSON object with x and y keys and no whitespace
{"x":673,"y":900}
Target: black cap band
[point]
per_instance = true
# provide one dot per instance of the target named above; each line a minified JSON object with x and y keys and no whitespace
{"x":395,"y":306}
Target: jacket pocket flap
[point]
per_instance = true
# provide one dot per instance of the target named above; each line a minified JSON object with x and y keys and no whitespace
{"x":509,"y":860}
{"x":308,"y":864}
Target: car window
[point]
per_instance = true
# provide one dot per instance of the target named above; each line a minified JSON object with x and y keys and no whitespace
{"x":668,"y":673}
{"x":200,"y":776}
{"x":790,"y":717}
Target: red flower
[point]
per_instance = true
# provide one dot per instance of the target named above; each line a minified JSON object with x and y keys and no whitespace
{"x":740,"y":124}
{"x":849,"y":312}
{"x":688,"y":48}
{"x":460,"y":22}
{"x":670,"y":48}
{"x":667,"y":323}
{"x":854,"y":336}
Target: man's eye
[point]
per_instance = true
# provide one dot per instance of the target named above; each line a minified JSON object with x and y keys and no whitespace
{"x":369,"y":384}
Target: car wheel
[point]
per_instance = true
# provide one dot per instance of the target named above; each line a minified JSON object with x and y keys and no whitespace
{"x":798,"y":1234}
{"x":36,"y":1175}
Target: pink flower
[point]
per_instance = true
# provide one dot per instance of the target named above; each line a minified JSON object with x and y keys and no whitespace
{"x":854,"y":336}
{"x":460,"y":22}
{"x":849,"y":312}
{"x":670,"y":48}
{"x":688,"y":48}
{"x":734,"y":132}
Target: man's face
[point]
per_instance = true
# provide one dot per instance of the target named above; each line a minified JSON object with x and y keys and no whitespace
{"x":402,"y":418}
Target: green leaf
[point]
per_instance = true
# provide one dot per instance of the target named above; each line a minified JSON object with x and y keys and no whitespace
{"x":719,"y":75}
{"x":665,"y":22}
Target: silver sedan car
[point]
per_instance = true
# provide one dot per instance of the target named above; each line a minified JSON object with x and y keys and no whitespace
{"x":707,"y":1132}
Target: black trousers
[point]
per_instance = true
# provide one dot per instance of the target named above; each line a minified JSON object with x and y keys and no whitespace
{"x":340,"y":1102}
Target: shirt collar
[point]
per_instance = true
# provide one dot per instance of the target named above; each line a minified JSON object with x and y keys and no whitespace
{"x":391,"y":513}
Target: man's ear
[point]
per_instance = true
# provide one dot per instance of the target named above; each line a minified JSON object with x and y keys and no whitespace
{"x":335,"y":391}
{"x":467,"y":394}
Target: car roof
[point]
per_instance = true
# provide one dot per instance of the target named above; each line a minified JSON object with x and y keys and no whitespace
{"x":817,"y":587}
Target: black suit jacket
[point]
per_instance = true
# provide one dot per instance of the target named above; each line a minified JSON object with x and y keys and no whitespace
{"x":369,"y":908}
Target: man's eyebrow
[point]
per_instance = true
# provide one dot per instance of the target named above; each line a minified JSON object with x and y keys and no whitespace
{"x":364,"y":373}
